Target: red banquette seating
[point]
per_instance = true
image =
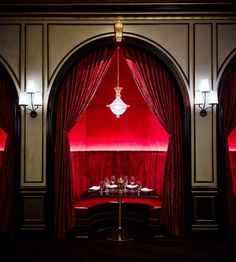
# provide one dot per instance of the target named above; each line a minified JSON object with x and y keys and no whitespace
{"x":94,"y":214}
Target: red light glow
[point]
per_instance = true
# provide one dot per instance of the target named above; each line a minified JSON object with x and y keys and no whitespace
{"x":137,"y":129}
{"x":232,"y":140}
{"x":3,"y":138}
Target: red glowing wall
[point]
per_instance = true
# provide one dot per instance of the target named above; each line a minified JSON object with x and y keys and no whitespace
{"x":136,"y":129}
{"x":3,"y":137}
{"x":232,"y":149}
{"x":232,"y":140}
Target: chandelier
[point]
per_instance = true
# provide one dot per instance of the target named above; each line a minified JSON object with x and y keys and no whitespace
{"x":118,"y":106}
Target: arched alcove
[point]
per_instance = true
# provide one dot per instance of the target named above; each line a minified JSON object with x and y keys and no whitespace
{"x":3,"y":138}
{"x":180,"y":94}
{"x":232,"y":152}
{"x":226,"y":148}
{"x":9,"y":153}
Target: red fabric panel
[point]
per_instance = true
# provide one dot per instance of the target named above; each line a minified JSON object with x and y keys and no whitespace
{"x":8,"y":105}
{"x":3,"y":138}
{"x":137,"y":129}
{"x":232,"y":140}
{"x":1,"y":159}
{"x":89,"y":168}
{"x":75,"y":93}
{"x":227,"y":100}
{"x":233,"y":171}
{"x":158,"y":88}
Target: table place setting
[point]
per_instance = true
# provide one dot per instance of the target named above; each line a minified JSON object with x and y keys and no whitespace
{"x":132,"y":186}
{"x":113,"y":186}
{"x":145,"y":189}
{"x":110,"y":184}
{"x":94,"y":188}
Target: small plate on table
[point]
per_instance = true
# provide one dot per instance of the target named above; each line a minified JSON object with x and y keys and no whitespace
{"x":146,"y":190}
{"x":94,"y":188}
{"x":132,"y":186}
{"x":112,"y":186}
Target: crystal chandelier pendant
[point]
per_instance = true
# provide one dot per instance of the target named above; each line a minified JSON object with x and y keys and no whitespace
{"x":118,"y":106}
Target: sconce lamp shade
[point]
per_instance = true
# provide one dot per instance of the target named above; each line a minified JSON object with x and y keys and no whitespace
{"x":199,"y":98}
{"x":204,"y":86}
{"x":30,"y":86}
{"x":205,"y":98}
{"x":23,"y":99}
{"x":31,"y":99}
{"x":118,"y":107}
{"x":213,"y":98}
{"x":37,"y":101}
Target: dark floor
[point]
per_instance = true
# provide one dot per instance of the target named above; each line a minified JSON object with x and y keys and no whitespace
{"x":99,"y":249}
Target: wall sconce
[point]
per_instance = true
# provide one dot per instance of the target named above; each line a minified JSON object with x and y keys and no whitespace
{"x":31,"y":99}
{"x":205,"y":98}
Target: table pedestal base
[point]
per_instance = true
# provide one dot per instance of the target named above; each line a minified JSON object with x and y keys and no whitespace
{"x":119,"y":235}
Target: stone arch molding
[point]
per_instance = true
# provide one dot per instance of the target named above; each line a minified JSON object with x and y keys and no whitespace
{"x":11,"y":74}
{"x":164,"y":54}
{"x":225,"y":67}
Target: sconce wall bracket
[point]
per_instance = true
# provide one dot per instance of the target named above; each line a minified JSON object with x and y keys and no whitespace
{"x":205,"y":98}
{"x":31,"y":100}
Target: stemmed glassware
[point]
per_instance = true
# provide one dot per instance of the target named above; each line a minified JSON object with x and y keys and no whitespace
{"x":102,"y":186}
{"x":139,"y":185}
{"x":113,"y":180}
{"x":132,"y":180}
{"x":126,"y":181}
{"x":106,"y":182}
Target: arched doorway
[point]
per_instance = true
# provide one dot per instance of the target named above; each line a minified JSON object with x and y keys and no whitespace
{"x":9,"y":153}
{"x":178,"y":123}
{"x":226,"y":152}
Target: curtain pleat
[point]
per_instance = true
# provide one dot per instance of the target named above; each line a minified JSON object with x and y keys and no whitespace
{"x":1,"y":159}
{"x":227,"y":102}
{"x":160,"y":92}
{"x":8,"y":105}
{"x":75,"y":93}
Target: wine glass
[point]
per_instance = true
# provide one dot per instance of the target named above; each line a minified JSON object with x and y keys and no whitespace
{"x":132,"y":180}
{"x":102,"y":185}
{"x":106,"y":182}
{"x":126,"y":180}
{"x":139,"y":185}
{"x":113,"y":180}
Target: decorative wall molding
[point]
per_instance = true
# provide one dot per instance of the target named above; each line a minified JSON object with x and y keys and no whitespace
{"x":33,"y":209}
{"x":164,"y":10}
{"x":205,"y":213}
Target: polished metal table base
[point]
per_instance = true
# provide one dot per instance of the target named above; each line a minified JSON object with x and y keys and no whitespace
{"x":119,"y":235}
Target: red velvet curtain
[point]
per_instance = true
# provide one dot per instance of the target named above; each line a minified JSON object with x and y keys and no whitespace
{"x":227,"y":102}
{"x":232,"y":155}
{"x":1,"y":159}
{"x":74,"y":96}
{"x":160,"y":92}
{"x":91,"y":167}
{"x":8,"y":104}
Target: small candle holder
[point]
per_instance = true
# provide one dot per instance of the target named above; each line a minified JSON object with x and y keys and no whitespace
{"x":121,"y":183}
